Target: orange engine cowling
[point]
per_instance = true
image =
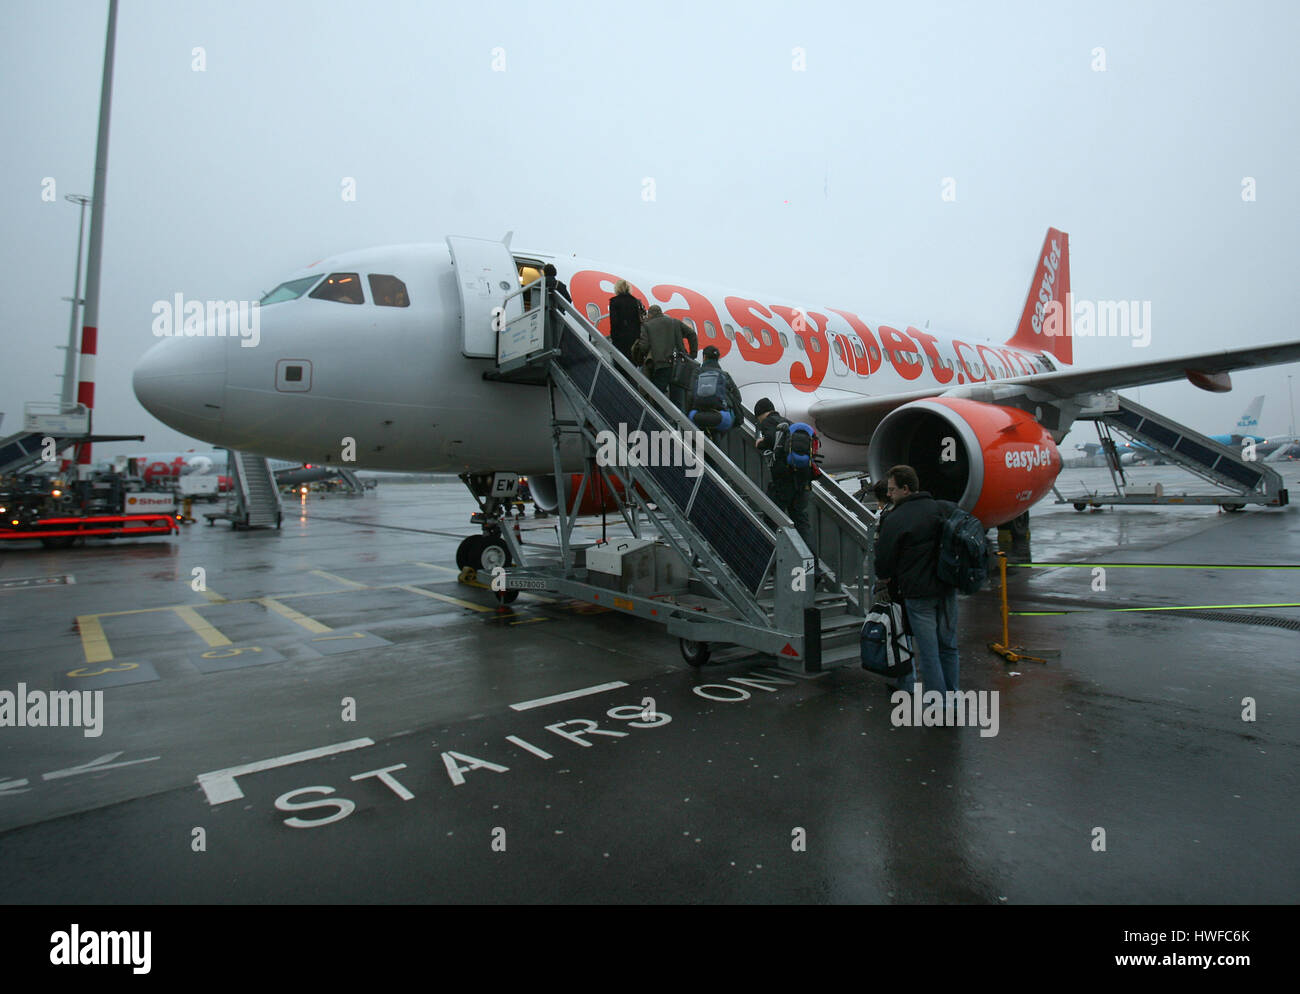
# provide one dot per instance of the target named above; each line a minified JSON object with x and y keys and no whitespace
{"x":993,"y":461}
{"x":599,"y":495}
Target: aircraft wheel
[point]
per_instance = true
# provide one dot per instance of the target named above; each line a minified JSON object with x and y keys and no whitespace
{"x":468,"y":550}
{"x":1230,"y":508}
{"x":1080,"y":506}
{"x":695,"y":653}
{"x":491,"y":554}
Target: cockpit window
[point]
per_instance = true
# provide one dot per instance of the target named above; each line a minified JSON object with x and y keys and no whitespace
{"x":291,"y":290}
{"x":388,"y":291}
{"x":342,"y":288}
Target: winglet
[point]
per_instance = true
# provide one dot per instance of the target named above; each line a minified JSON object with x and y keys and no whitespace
{"x":1045,"y":324}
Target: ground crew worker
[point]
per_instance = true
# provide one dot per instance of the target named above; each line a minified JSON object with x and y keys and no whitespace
{"x":661,"y":338}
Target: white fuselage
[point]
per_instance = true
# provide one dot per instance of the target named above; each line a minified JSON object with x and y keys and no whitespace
{"x":394,"y":382}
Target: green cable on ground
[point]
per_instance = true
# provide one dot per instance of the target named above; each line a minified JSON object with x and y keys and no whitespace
{"x":1121,"y":610}
{"x":1143,"y":566}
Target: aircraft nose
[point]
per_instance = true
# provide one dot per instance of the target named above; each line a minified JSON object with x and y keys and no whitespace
{"x":182,"y":383}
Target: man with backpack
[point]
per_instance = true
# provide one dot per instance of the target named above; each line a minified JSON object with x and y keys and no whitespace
{"x":792,"y":448}
{"x":661,"y":339}
{"x":909,"y":548}
{"x":714,"y":399}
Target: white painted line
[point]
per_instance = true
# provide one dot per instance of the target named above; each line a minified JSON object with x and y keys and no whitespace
{"x":95,"y":765}
{"x":525,"y":745}
{"x":220,"y":785}
{"x":541,"y":702}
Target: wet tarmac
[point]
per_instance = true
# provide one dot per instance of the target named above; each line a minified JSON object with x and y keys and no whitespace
{"x":336,"y":719}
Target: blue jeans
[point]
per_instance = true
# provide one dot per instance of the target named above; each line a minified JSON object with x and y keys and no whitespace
{"x":933,"y":621}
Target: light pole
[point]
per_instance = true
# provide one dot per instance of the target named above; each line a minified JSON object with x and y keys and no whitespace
{"x":70,"y":360}
{"x":1291,"y":399}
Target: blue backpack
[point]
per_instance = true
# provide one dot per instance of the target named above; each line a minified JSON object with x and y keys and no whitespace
{"x":711,"y":390}
{"x":886,"y":646}
{"x":794,"y":446}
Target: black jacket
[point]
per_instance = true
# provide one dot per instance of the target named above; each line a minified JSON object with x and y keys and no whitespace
{"x":625,"y":314}
{"x":907,"y":549}
{"x":555,"y":285}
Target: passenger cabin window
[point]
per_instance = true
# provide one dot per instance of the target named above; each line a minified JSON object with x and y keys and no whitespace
{"x":785,"y":342}
{"x":816,"y":344}
{"x":388,"y":291}
{"x":342,"y":288}
{"x":593,"y":313}
{"x":291,"y":290}
{"x":728,"y":331}
{"x":709,"y":330}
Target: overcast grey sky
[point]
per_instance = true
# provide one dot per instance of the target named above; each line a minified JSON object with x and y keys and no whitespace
{"x":820,"y":183}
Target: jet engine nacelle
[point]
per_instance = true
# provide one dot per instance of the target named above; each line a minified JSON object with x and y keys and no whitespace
{"x":597,"y":498}
{"x":992,"y":461}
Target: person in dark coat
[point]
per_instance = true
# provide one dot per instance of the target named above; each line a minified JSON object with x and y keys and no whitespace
{"x":661,"y":339}
{"x":713,"y":418}
{"x":554,"y":283}
{"x":789,"y":488}
{"x":626,"y":313}
{"x":907,"y":556}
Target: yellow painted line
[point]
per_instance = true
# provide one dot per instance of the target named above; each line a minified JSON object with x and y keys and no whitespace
{"x":202,"y":628}
{"x":93,"y":641}
{"x":449,"y":600}
{"x":445,"y":569}
{"x":285,"y":611}
{"x":340,"y":579}
{"x":215,"y":597}
{"x":529,"y":621}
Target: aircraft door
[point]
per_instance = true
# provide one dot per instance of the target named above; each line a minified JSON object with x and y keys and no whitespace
{"x":485,"y":273}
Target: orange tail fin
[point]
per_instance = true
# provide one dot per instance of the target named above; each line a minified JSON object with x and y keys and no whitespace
{"x":1045,"y":322}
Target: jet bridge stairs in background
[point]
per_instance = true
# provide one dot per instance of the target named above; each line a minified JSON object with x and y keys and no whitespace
{"x":730,"y":569}
{"x":1243,"y":480}
{"x":256,"y":499}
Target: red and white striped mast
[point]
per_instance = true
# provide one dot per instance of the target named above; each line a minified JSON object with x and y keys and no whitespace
{"x":90,"y":316}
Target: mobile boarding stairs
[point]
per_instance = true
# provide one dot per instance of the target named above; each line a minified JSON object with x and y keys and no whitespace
{"x":1243,"y":480}
{"x":710,"y":556}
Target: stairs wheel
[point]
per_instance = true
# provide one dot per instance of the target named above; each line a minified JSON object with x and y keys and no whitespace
{"x":507,"y":596}
{"x":1080,"y":506}
{"x":1230,"y":508}
{"x":695,"y":653}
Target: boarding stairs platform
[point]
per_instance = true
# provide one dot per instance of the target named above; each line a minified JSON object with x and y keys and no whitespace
{"x":729,"y":569}
{"x":66,"y":426}
{"x":1242,"y":480}
{"x":256,"y":499}
{"x":351,"y":482}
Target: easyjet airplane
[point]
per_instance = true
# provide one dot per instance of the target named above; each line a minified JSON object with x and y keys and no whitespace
{"x":388,"y":346}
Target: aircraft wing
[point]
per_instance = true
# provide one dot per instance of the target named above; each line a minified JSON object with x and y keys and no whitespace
{"x":855,"y":419}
